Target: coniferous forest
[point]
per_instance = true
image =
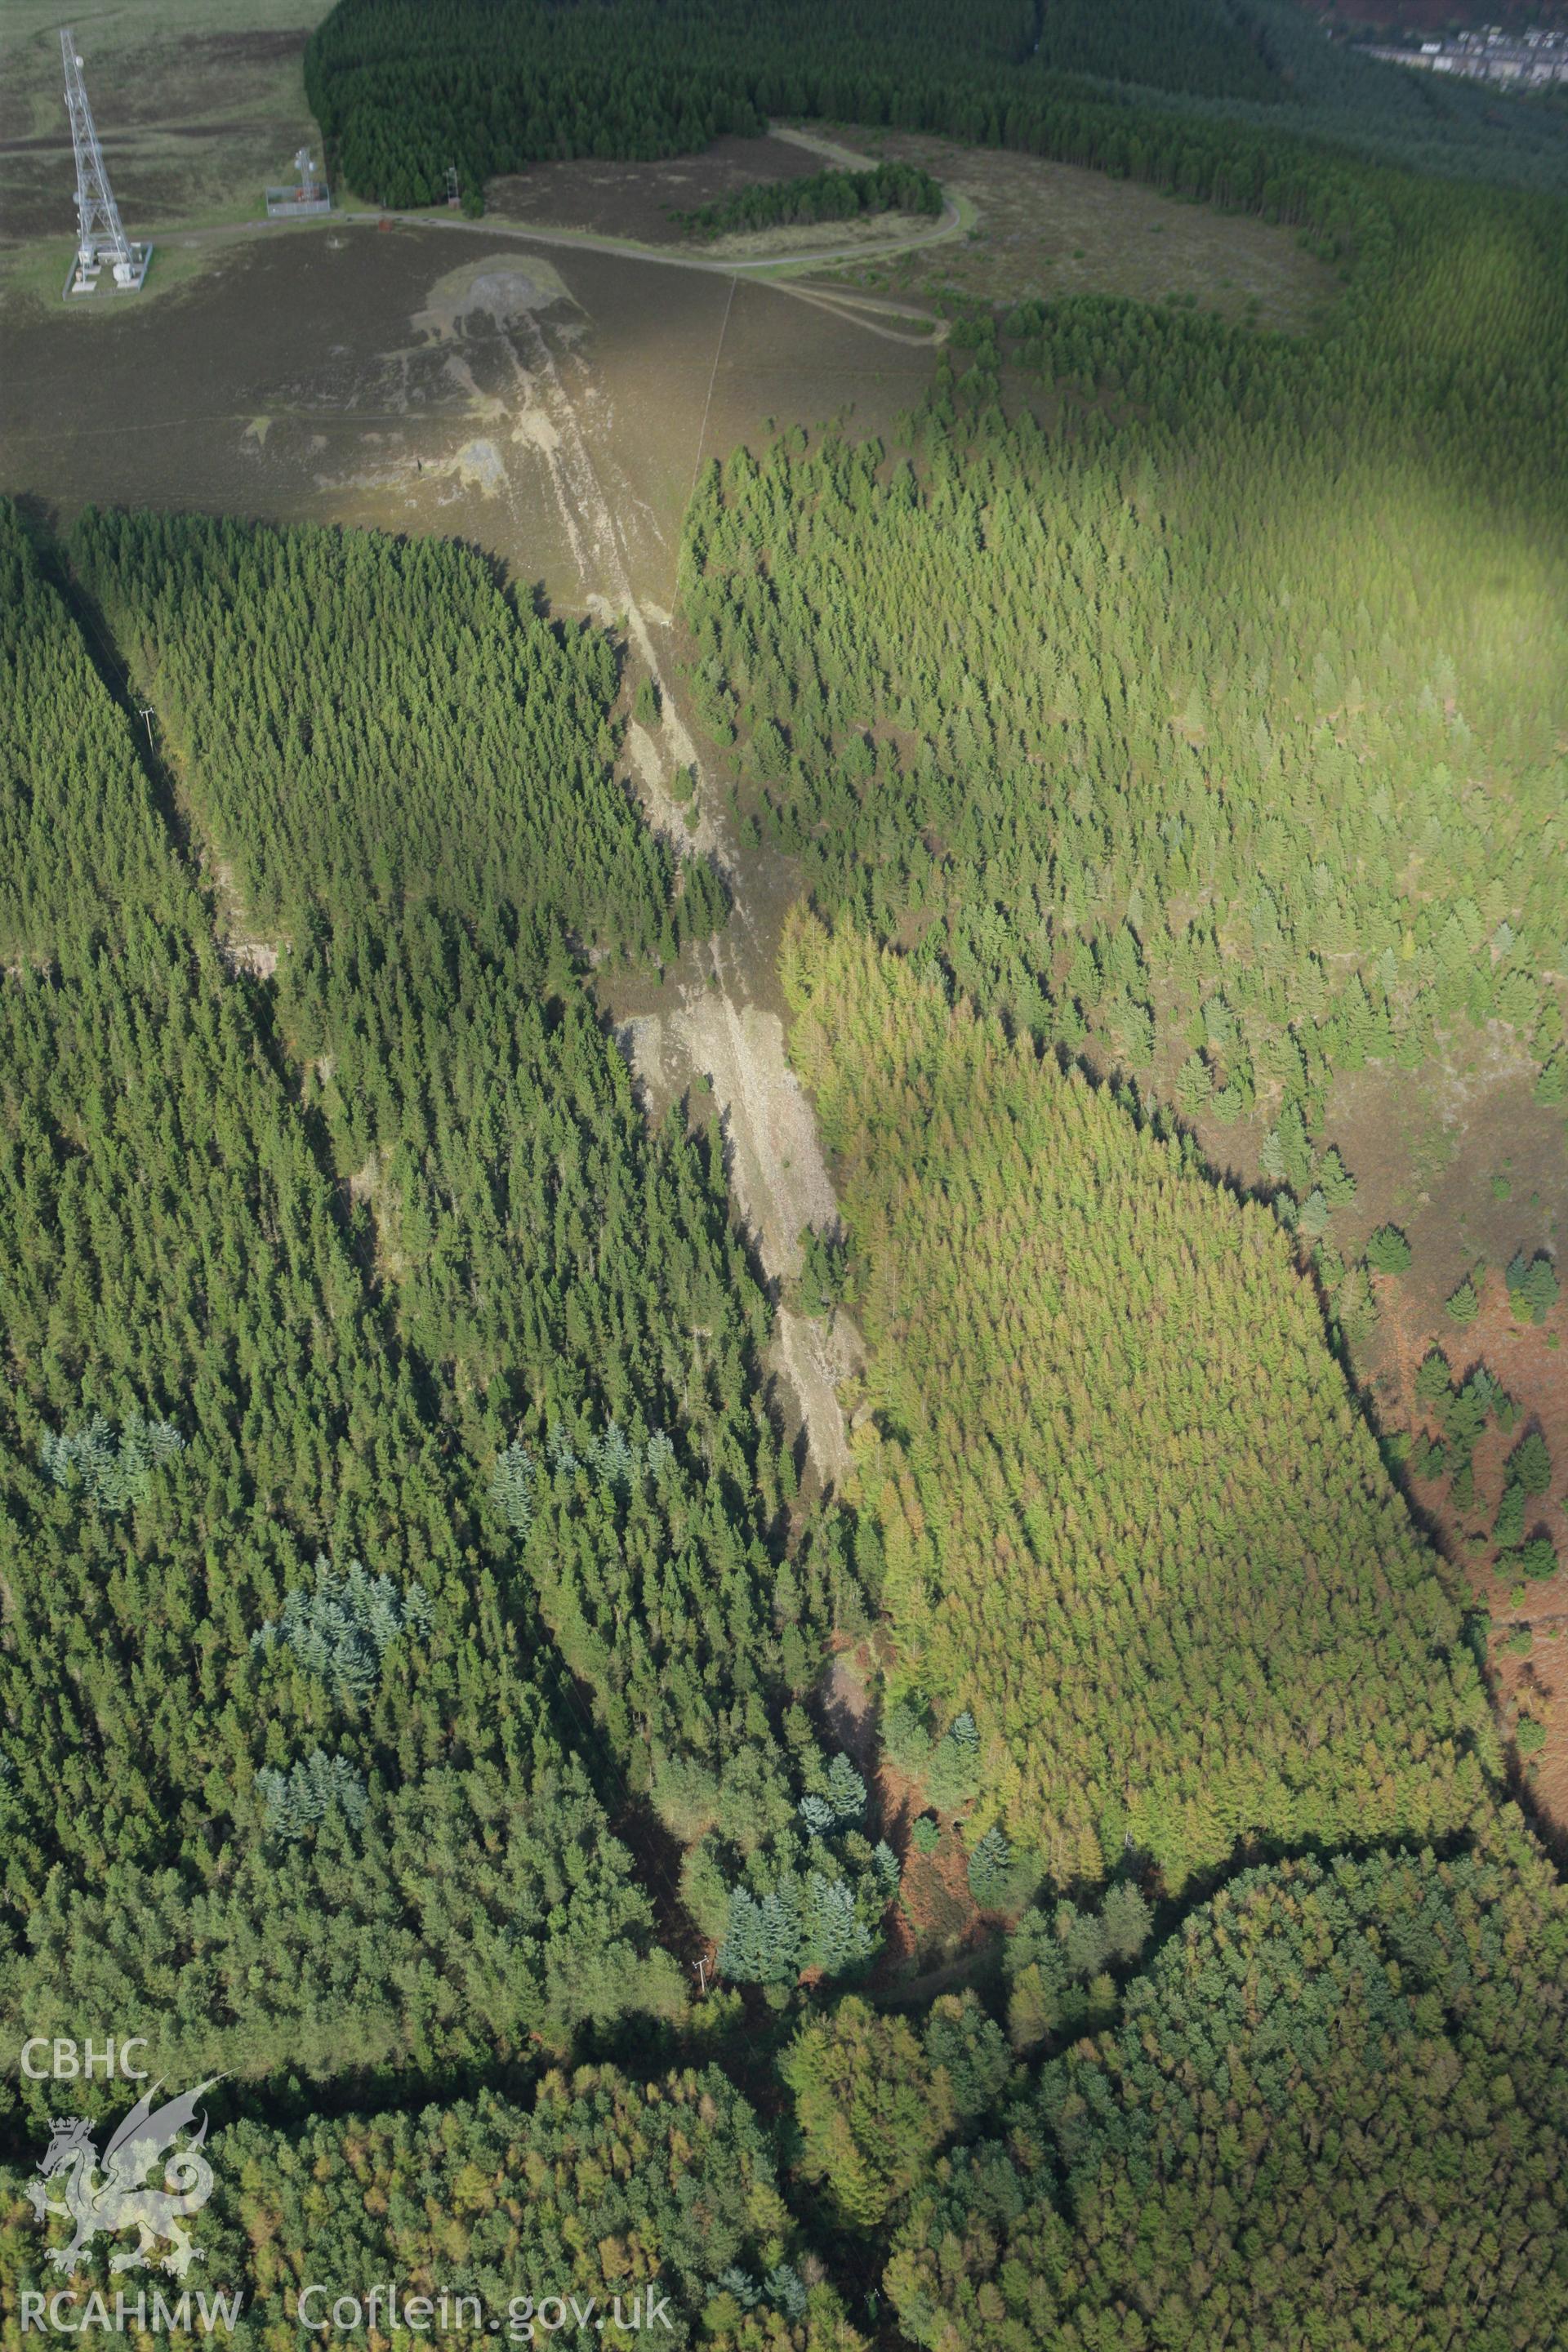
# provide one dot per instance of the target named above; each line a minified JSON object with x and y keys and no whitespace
{"x":822,"y":196}
{"x":451,"y":1336}
{"x":1067,"y":1877}
{"x":1166,"y":1587}
{"x":404,"y":87}
{"x":352,"y":1865}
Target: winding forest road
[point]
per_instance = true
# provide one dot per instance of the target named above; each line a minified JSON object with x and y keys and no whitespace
{"x":775,"y":270}
{"x":778,"y":270}
{"x":954,"y":218}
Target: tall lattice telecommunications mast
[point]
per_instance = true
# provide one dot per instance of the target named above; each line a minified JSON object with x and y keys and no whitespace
{"x":100,"y":237}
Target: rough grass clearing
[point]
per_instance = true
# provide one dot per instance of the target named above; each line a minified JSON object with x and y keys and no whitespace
{"x":802,"y":238}
{"x":1492,"y":1180}
{"x":1470,"y":1168}
{"x":641,"y":199}
{"x":641,"y":204}
{"x":1045,"y":229}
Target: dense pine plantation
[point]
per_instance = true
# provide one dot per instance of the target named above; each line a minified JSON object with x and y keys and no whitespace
{"x":1333,"y":2112}
{"x":403,"y":88}
{"x":822,"y":195}
{"x":324,"y":1856}
{"x":357,"y":1319}
{"x":663,"y":2194}
{"x":570,"y":1287}
{"x":1178,"y":722}
{"x":1132,"y":1515}
{"x":1210,"y":47}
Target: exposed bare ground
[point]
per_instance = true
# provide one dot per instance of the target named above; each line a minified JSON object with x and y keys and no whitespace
{"x":234,"y":931}
{"x":777,"y":1175}
{"x":776,"y":1168}
{"x":654,"y":760}
{"x":848,"y":1717}
{"x":784,"y":1178}
{"x":813,"y":1360}
{"x":259,"y":957}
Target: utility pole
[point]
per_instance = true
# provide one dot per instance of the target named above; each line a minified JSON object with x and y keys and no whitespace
{"x":99,"y":236}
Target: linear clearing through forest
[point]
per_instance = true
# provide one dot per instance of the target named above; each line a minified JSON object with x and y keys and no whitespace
{"x":776,"y":1168}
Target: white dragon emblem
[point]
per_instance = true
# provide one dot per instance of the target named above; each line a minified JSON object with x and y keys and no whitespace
{"x":111,"y":2192}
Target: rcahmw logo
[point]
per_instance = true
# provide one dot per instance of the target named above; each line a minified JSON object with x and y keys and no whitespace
{"x":68,"y":2314}
{"x":109,"y":2193}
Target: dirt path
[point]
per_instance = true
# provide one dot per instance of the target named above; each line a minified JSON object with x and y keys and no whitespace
{"x":832,"y":151}
{"x":775,"y":269}
{"x":865,"y":312}
{"x":781,"y":271}
{"x":953,"y":220}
